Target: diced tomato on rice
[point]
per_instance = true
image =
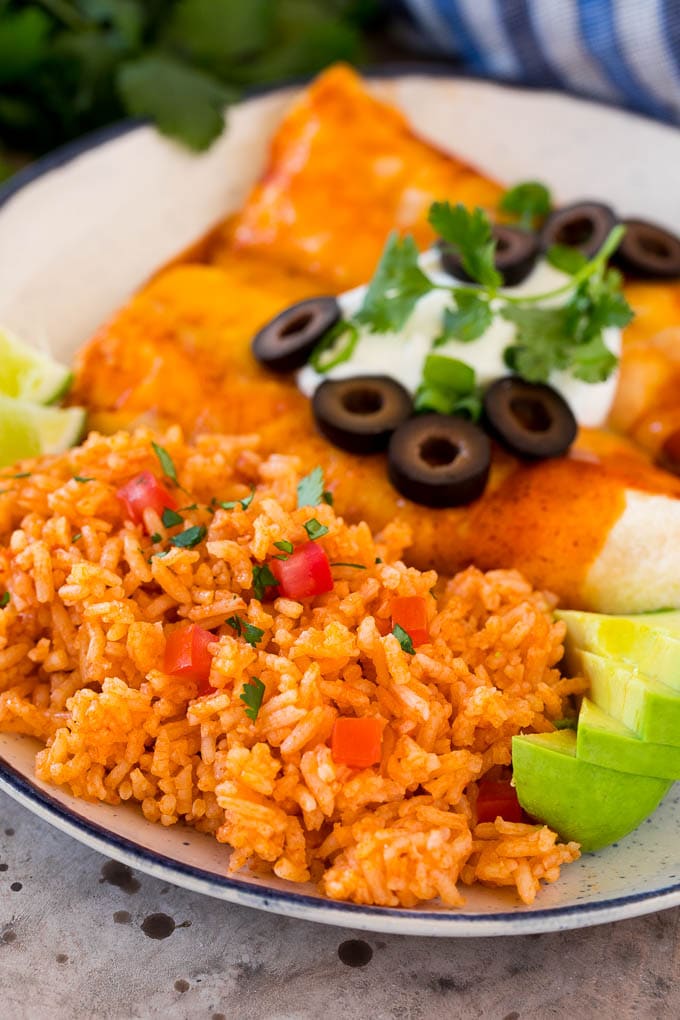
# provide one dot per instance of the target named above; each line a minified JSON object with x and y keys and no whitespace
{"x":82,"y":650}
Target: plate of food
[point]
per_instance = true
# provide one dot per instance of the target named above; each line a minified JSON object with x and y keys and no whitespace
{"x":340,"y":559}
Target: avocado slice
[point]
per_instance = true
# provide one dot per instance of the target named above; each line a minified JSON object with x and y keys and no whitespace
{"x":592,"y":805}
{"x":650,"y":641}
{"x":649,"y":708}
{"x":605,"y":741}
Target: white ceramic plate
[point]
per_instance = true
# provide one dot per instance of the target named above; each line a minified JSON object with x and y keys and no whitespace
{"x":80,"y":231}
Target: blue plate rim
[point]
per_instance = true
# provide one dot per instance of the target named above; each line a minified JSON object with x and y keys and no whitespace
{"x":16,"y":785}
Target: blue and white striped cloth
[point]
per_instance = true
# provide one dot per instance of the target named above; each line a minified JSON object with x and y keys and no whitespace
{"x":623,"y":51}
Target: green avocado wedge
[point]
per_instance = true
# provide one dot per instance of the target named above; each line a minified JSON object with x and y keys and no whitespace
{"x":591,"y":805}
{"x":603,"y":740}
{"x":650,"y":641}
{"x":649,"y":708}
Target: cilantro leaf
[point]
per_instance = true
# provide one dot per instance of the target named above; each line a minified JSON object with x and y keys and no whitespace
{"x":4,"y":600}
{"x":171,"y":518}
{"x":568,"y":260}
{"x":235,"y":622}
{"x":189,"y":538}
{"x":262,"y":579}
{"x":528,"y":201}
{"x":185,"y":102}
{"x":233,"y":503}
{"x":216,"y":32}
{"x":404,"y":639}
{"x":23,"y":42}
{"x":82,"y":479}
{"x":357,"y":566}
{"x":252,"y":695}
{"x":397,"y":285}
{"x":250,"y":632}
{"x":286,"y":547}
{"x":166,"y":463}
{"x":471,"y":318}
{"x":310,"y":490}
{"x":593,"y":362}
{"x":77,"y":537}
{"x":156,"y":537}
{"x":539,"y":346}
{"x":470,"y":234}
{"x":327,"y":497}
{"x":315,"y":529}
{"x":571,"y":336}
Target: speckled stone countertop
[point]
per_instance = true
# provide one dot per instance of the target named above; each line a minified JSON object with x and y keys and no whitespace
{"x":84,"y":937}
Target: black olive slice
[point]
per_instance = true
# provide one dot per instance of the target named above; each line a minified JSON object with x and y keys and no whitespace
{"x":530,"y":419}
{"x":360,"y":414}
{"x":438,"y":460}
{"x":516,"y":254}
{"x":648,"y":251}
{"x":286,"y":341}
{"x":583,"y":225}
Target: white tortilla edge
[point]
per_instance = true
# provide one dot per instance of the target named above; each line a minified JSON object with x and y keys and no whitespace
{"x":638,"y":568}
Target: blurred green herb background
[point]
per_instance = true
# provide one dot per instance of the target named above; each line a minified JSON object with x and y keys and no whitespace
{"x":68,"y":66}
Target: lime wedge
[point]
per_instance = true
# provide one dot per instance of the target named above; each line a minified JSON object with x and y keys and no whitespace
{"x":27,"y":430}
{"x":28,"y":374}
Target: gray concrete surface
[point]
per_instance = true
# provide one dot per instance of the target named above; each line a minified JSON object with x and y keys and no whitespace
{"x":81,"y":937}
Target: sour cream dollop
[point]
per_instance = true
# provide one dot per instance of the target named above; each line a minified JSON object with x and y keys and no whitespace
{"x":401,"y":355}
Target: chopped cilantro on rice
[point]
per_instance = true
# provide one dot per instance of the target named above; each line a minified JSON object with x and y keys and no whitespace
{"x":82,"y":643}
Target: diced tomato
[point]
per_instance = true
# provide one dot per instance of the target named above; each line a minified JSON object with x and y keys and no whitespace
{"x":498,"y":797}
{"x":142,"y":491}
{"x":187,"y":655}
{"x":356,"y":742}
{"x":306,"y":572}
{"x":410,"y":612}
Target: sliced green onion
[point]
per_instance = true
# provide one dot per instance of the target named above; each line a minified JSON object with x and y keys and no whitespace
{"x":445,"y":373}
{"x":335,"y":347}
{"x":429,"y":398}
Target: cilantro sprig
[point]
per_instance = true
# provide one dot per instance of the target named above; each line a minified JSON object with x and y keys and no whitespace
{"x":315,"y":529}
{"x":171,"y":518}
{"x":404,"y":639}
{"x":569,"y":337}
{"x":311,"y":492}
{"x":528,"y":202}
{"x":190,"y":537}
{"x":469,"y":232}
{"x":166,"y":462}
{"x":262,"y":579}
{"x":396,"y":288}
{"x":231,"y":504}
{"x":252,"y":695}
{"x":248,"y":631}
